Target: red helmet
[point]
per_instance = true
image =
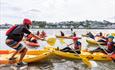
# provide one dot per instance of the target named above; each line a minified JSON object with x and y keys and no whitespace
{"x":75,"y":38}
{"x":27,"y":21}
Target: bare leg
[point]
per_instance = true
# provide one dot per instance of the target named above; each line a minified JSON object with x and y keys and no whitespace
{"x":15,"y":51}
{"x":14,"y":54}
{"x":23,"y":53}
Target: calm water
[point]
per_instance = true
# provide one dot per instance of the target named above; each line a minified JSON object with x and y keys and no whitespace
{"x":62,"y":64}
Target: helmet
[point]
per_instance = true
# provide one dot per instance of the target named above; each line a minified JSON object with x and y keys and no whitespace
{"x":27,"y":21}
{"x":75,"y":38}
{"x":111,"y":37}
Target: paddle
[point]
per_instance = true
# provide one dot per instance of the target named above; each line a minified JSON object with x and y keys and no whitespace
{"x":50,"y":40}
{"x":84,"y":59}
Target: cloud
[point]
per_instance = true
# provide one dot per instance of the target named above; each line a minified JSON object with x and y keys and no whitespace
{"x":58,"y":10}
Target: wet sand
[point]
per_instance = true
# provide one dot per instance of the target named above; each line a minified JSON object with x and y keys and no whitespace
{"x":63,"y":64}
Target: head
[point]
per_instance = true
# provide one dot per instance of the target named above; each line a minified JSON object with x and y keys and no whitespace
{"x":75,"y":39}
{"x":38,"y":32}
{"x":110,"y":38}
{"x":27,"y":22}
{"x":74,"y":34}
{"x":101,"y":34}
{"x":43,"y":33}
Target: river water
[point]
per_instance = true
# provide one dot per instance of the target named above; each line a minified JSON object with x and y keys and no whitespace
{"x":63,"y":64}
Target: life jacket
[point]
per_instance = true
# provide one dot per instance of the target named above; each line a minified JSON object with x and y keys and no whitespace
{"x":77,"y":45}
{"x":110,"y":45}
{"x":10,"y":30}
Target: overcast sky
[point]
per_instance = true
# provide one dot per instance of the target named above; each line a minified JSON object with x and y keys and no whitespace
{"x":13,"y":11}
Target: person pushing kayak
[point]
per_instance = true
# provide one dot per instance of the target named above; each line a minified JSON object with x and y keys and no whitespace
{"x":77,"y":46}
{"x":14,"y":37}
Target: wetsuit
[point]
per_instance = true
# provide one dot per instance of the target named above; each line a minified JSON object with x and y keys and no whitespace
{"x":90,"y":35}
{"x":68,"y":49}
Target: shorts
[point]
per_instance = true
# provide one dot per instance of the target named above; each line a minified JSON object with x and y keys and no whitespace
{"x":13,"y":43}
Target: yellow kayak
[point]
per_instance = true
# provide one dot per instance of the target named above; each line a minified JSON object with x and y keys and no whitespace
{"x":113,"y":34}
{"x":29,"y":52}
{"x":95,"y":56}
{"x":91,"y":42}
{"x":31,"y":56}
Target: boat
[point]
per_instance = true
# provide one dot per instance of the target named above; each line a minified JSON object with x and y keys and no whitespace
{"x":91,"y":41}
{"x":94,"y":42}
{"x":29,"y":52}
{"x":95,"y":56}
{"x":31,"y":56}
{"x":113,"y":34}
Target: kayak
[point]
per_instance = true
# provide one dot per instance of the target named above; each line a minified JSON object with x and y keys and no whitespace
{"x":31,"y":44}
{"x":94,"y":42}
{"x":113,"y":34}
{"x":63,"y":36}
{"x":31,"y":56}
{"x":91,"y":41}
{"x":28,"y":58}
{"x":30,"y":52}
{"x":95,"y":56}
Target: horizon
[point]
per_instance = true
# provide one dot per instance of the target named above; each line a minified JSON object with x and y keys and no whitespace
{"x":13,"y":12}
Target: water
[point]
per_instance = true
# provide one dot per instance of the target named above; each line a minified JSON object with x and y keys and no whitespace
{"x":63,"y":64}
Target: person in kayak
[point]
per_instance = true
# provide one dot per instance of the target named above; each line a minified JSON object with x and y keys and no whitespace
{"x":77,"y":46}
{"x":110,"y":46}
{"x":73,"y":34}
{"x":89,"y":34}
{"x":102,"y":40}
{"x":43,"y":34}
{"x":62,"y":33}
{"x":14,"y":37}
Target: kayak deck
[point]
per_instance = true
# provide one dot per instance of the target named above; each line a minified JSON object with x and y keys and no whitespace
{"x":95,"y":56}
{"x":31,"y":56}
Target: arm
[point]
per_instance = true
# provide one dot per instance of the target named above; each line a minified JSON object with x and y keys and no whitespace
{"x":70,"y":44}
{"x":30,"y":34}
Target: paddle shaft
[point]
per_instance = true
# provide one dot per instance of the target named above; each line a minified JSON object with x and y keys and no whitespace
{"x":103,"y":49}
{"x":85,"y":60}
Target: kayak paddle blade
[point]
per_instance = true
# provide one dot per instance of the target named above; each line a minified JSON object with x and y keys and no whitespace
{"x":51,"y":41}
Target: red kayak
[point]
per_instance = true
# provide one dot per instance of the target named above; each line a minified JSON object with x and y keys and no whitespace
{"x":32,"y":44}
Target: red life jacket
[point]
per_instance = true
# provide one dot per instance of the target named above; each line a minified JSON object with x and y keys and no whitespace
{"x":10,"y":30}
{"x":110,"y":45}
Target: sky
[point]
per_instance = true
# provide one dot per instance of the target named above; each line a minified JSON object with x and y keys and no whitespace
{"x":14,"y":11}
